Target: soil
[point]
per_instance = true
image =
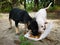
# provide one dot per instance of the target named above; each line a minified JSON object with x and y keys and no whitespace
{"x":7,"y":36}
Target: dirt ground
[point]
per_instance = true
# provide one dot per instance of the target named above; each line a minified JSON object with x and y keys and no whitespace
{"x":7,"y":36}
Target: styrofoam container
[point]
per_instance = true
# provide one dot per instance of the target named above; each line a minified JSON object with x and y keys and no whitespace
{"x":43,"y":35}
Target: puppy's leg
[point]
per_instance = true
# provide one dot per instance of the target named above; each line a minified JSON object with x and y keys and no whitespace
{"x":26,"y":28}
{"x":10,"y":21}
{"x":26,"y":25}
{"x":17,"y":28}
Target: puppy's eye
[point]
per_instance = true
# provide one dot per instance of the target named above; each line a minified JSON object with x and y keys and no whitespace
{"x":41,"y":26}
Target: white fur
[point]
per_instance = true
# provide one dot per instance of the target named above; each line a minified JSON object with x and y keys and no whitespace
{"x":41,"y":17}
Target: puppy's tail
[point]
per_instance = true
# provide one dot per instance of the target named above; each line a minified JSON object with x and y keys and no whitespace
{"x":48,"y":5}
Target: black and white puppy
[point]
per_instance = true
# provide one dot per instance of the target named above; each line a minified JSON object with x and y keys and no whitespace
{"x":19,"y":16}
{"x":38,"y":25}
{"x":41,"y":17}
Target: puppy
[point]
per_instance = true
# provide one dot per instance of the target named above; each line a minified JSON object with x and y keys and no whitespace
{"x":19,"y":16}
{"x":41,"y":16}
{"x":36,"y":26}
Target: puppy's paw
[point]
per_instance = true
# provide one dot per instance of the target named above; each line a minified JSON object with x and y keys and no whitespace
{"x":25,"y":32}
{"x":17,"y":33}
{"x":17,"y":42}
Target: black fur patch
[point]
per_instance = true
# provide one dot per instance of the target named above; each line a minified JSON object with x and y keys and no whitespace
{"x":34,"y":27}
{"x":19,"y":15}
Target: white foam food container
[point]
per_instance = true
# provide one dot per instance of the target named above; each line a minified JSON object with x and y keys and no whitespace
{"x":43,"y":35}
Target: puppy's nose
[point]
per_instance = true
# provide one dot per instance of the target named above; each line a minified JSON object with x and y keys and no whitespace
{"x":44,"y":28}
{"x":41,"y":26}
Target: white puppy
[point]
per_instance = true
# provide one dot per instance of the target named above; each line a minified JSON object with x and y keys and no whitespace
{"x":41,"y":17}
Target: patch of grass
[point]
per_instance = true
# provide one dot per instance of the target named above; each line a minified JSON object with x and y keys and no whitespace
{"x":24,"y":41}
{"x":57,"y":7}
{"x":22,"y":38}
{"x":29,"y":7}
{"x":54,"y":8}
